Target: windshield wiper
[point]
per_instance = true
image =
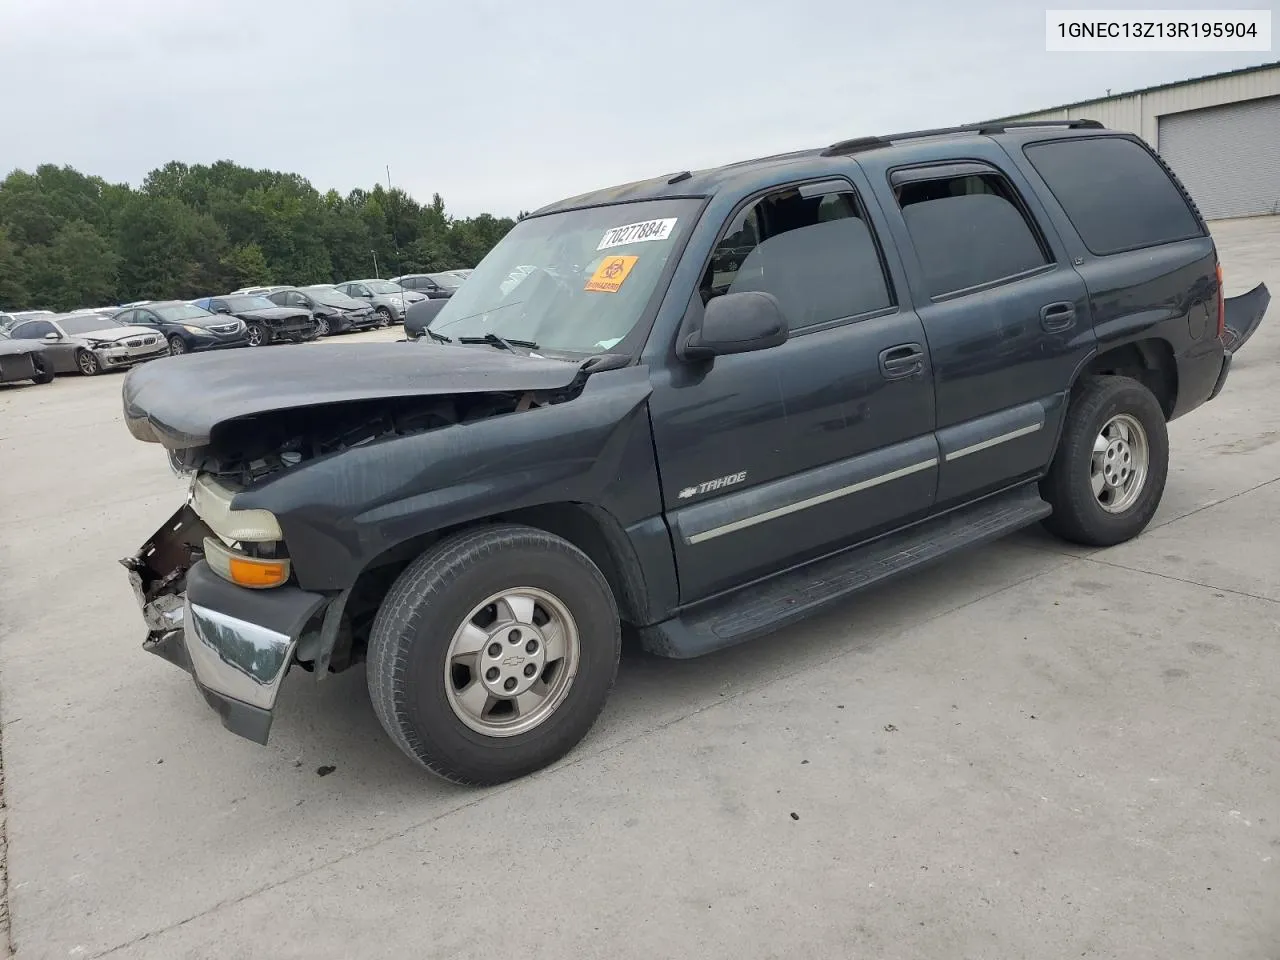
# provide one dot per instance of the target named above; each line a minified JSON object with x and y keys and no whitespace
{"x":503,"y":342}
{"x":437,"y":337}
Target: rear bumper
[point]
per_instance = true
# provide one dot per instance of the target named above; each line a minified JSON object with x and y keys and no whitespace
{"x":1222,"y":375}
{"x":236,"y":643}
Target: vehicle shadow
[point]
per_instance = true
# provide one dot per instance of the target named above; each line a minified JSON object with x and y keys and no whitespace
{"x":334,"y":718}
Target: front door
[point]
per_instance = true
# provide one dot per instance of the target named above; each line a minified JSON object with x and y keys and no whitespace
{"x":773,"y":458}
{"x":60,"y":354}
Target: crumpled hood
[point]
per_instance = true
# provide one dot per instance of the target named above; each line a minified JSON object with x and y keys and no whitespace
{"x":110,"y":334}
{"x":272,"y":313}
{"x":179,"y":401}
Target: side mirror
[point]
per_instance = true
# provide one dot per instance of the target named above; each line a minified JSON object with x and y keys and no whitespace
{"x":52,"y":336}
{"x":223,"y":309}
{"x":736,"y":323}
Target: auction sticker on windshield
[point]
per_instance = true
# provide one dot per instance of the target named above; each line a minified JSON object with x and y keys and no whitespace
{"x":638,"y":233}
{"x":610,"y":274}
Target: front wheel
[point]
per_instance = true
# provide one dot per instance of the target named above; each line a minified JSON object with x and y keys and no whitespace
{"x":1109,"y":473}
{"x":87,"y":363}
{"x":493,"y":653}
{"x":177,"y":347}
{"x":384,"y":317}
{"x":322,"y":326}
{"x":257,"y":335}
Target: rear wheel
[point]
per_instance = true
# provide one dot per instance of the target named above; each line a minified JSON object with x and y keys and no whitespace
{"x":1109,"y":473}
{"x":257,"y":334}
{"x":493,"y":653}
{"x":87,"y":363}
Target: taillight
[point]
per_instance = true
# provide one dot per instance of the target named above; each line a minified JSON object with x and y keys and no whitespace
{"x":1222,"y":306}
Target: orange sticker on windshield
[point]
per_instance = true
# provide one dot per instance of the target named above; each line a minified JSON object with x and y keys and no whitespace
{"x":610,"y":274}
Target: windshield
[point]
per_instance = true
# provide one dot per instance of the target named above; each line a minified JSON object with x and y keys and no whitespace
{"x":575,"y":281}
{"x":85,"y":323}
{"x":384,"y":287}
{"x":332,"y":298}
{"x":248,"y":303}
{"x":181,"y":312}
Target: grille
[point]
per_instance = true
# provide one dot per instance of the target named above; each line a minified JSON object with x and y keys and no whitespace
{"x":225,"y":328}
{"x":134,"y":343}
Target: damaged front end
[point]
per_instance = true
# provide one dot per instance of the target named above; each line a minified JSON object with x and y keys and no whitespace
{"x":236,"y":642}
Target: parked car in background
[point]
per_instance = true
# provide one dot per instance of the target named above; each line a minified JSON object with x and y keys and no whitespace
{"x":334,"y":312}
{"x":265,"y":321}
{"x":185,"y":327}
{"x":389,"y":299}
{"x":23,"y":360}
{"x":436,"y":286}
{"x":419,"y":316}
{"x":89,"y":343}
{"x":259,"y":291}
{"x":9,"y":320}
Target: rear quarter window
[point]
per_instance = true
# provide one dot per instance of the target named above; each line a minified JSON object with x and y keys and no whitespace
{"x":1115,"y":193}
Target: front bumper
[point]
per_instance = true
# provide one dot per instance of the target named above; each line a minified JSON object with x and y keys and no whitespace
{"x":236,"y":643}
{"x":121,"y":357}
{"x":203,"y":344}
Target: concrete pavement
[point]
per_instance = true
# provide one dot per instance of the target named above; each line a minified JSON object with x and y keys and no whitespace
{"x":1030,"y":750}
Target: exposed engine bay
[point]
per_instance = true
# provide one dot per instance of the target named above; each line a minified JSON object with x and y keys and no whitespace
{"x":243,"y":452}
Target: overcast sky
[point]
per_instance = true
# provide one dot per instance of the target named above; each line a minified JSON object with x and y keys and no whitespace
{"x":501,"y":106}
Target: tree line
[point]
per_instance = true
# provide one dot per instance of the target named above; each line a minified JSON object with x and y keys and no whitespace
{"x":68,"y":240}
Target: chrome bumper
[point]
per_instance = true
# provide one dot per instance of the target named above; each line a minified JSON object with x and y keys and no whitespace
{"x":237,"y":644}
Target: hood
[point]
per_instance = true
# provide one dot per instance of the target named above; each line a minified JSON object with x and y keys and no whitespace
{"x":178,"y":402}
{"x":272,"y":313}
{"x":112,"y":334}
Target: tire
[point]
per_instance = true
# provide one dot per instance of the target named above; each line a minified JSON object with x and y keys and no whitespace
{"x":420,"y":703}
{"x":1121,"y":406}
{"x":44,"y":370}
{"x":257,"y":334}
{"x":384,"y":317}
{"x":177,"y":347}
{"x":87,"y":363}
{"x":322,"y":326}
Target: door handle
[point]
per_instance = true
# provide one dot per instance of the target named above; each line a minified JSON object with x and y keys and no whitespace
{"x":1056,"y":317}
{"x":904,"y":360}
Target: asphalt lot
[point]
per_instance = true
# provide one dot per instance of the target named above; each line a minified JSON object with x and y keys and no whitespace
{"x":1029,"y":750}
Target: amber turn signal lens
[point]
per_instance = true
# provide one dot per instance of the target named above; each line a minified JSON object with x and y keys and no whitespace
{"x":249,"y":572}
{"x":253,"y":572}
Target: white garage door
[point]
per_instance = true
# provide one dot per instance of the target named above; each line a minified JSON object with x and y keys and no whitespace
{"x":1227,"y":157}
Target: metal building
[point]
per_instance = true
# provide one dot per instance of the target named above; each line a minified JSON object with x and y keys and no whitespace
{"x":1220,"y":134}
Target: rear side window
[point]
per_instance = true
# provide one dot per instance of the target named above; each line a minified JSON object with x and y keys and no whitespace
{"x":968,"y":231}
{"x":1115,"y":193}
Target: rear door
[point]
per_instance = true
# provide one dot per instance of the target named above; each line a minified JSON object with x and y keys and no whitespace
{"x":1005,"y":314}
{"x":772,"y":458}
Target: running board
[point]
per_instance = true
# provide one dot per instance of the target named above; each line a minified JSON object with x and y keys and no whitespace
{"x":797,"y":594}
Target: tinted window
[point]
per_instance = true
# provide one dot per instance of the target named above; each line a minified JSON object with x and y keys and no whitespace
{"x":127,"y":318}
{"x":33,"y":330}
{"x":1115,"y":193}
{"x":815,"y":253}
{"x":968,"y":230}
{"x":87,"y":323}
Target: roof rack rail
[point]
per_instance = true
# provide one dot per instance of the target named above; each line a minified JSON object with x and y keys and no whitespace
{"x":857,"y":144}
